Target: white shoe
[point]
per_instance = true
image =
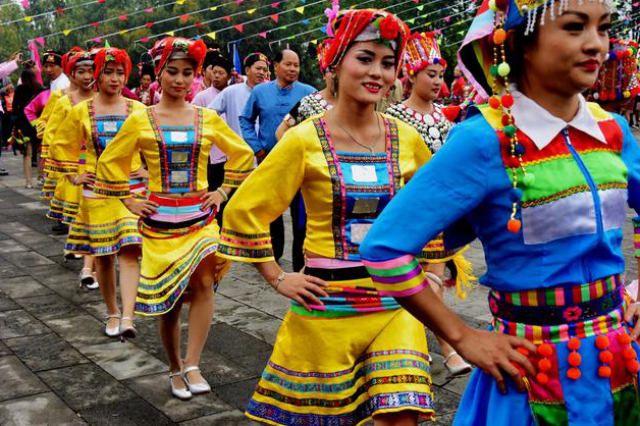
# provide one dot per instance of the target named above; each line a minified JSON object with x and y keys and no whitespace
{"x":184,"y":393}
{"x":113,"y":331}
{"x":86,"y":278}
{"x":195,"y":388}
{"x":128,"y":332}
{"x":95,"y":285}
{"x":461,"y":370}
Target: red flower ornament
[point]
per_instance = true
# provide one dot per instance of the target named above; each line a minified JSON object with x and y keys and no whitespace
{"x":389,"y":28}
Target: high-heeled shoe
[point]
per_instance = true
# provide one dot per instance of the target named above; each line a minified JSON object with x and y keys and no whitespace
{"x":112,"y":331}
{"x":129,"y":331}
{"x":86,"y":278}
{"x":184,"y":393}
{"x":195,"y":388}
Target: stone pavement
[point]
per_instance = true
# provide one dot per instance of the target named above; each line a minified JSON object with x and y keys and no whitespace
{"x":58,"y":369}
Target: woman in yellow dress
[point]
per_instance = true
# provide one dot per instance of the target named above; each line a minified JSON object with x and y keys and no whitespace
{"x":177,"y":222}
{"x":102,"y":227}
{"x":344,"y":355}
{"x":63,"y":206}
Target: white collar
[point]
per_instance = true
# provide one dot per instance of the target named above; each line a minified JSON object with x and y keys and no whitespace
{"x":542,"y":127}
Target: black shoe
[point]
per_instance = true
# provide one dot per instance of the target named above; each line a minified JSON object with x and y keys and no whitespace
{"x":3,"y":172}
{"x":60,"y":229}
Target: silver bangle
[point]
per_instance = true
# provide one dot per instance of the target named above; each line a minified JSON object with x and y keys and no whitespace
{"x":224,"y":194}
{"x":436,"y":279}
{"x":280,"y":278}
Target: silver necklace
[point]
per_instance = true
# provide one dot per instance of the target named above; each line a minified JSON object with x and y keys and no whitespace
{"x":369,"y":147}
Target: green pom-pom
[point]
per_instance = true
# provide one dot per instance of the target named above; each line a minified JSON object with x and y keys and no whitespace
{"x":493,"y":71}
{"x":492,"y":5}
{"x":510,"y":131}
{"x":504,"y":69}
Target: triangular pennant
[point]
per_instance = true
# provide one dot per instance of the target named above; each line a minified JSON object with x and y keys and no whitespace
{"x":95,"y":24}
{"x":213,"y":9}
{"x":227,"y":18}
{"x":300,"y":9}
{"x":239,"y":27}
{"x":40,"y":41}
{"x":180,"y":2}
{"x":149,"y":10}
{"x":123,"y":32}
{"x":250,"y":11}
{"x":66,"y":32}
{"x":60,"y":10}
{"x":198,"y":24}
{"x":106,"y":44}
{"x":123,"y":17}
{"x":170,"y":33}
{"x":184,"y":18}
{"x":97,"y":39}
{"x":149,"y":24}
{"x":27,"y":18}
{"x":144,"y":39}
{"x":274,"y":5}
{"x":275,"y":17}
{"x":212,"y":35}
{"x":263,"y":34}
{"x":420,"y":8}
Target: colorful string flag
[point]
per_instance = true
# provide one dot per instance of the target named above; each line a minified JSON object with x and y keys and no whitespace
{"x":35,"y":55}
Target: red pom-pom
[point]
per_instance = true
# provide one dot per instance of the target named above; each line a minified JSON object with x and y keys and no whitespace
{"x":514,"y":226}
{"x":519,"y":367}
{"x":624,"y":339}
{"x":506,"y":120}
{"x":513,"y":162}
{"x":544,"y":364}
{"x":574,"y":373}
{"x":545,"y":349}
{"x":633,"y":367}
{"x":574,"y":359}
{"x":494,"y":102}
{"x":523,"y":351}
{"x":602,"y":342}
{"x":574,"y":344}
{"x":507,"y":101}
{"x":389,"y":28}
{"x":606,"y":356}
{"x":542,"y":378}
{"x":452,"y":112}
{"x":620,"y":54}
{"x":604,"y":371}
{"x":629,"y":354}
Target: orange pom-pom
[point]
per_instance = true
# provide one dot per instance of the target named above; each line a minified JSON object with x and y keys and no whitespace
{"x":574,"y":359}
{"x":602,"y":342}
{"x":523,"y":351}
{"x":499,"y":36}
{"x":494,"y":102}
{"x":542,"y":378}
{"x":629,"y":354}
{"x":514,"y":226}
{"x":606,"y":356}
{"x":574,"y":373}
{"x":545,"y":349}
{"x":604,"y":371}
{"x":574,"y":344}
{"x":451,"y":112}
{"x":624,"y":339}
{"x":633,"y":367}
{"x":544,"y":364}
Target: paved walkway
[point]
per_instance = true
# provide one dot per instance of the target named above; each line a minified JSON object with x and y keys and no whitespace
{"x":58,"y":369}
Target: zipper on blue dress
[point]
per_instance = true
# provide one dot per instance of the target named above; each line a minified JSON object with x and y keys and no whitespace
{"x":590,"y":182}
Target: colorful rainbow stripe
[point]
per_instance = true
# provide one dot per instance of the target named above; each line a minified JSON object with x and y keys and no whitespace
{"x":400,"y":277}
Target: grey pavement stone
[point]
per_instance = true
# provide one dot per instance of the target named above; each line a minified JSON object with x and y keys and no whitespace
{"x":131,"y":412}
{"x":17,"y":380}
{"x":11,"y":228}
{"x":4,"y":350}
{"x":246,"y":318}
{"x":237,"y":394}
{"x":255,"y":363}
{"x":228,"y":418}
{"x":80,"y":331}
{"x":44,"y":409}
{"x":45,"y":352}
{"x":19,"y":287}
{"x":218,"y":370}
{"x":18,"y":324}
{"x":85,"y":386}
{"x":155,"y":389}
{"x":7,"y":304}
{"x":50,"y":306}
{"x":26,"y":258}
{"x":11,"y":246}
{"x":230,"y":342}
{"x":123,"y":361}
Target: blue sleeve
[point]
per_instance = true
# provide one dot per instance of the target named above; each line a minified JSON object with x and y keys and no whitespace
{"x":631,"y":158}
{"x":248,"y":123}
{"x":445,"y":190}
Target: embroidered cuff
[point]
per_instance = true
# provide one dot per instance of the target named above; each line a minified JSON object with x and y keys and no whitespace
{"x":234,"y":178}
{"x":435,"y":252}
{"x":400,"y":277}
{"x":112,"y":188}
{"x":253,"y":248}
{"x":62,"y":167}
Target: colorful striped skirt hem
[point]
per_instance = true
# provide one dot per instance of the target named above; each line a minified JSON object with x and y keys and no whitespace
{"x":65,"y":203}
{"x":175,"y":241}
{"x":344,"y":370}
{"x":586,"y":363}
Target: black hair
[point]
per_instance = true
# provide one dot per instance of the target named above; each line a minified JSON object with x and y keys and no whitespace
{"x":515,"y":50}
{"x":280,"y":54}
{"x":148,"y":70}
{"x":29,"y":79}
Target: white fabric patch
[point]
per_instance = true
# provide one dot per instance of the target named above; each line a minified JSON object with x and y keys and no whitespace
{"x":359,"y":231}
{"x":364,"y":173}
{"x":178,"y":136}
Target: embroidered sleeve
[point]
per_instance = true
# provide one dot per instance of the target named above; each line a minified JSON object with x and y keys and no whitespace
{"x":240,"y":162}
{"x":115,"y":163}
{"x":65,"y":151}
{"x":262,"y":198}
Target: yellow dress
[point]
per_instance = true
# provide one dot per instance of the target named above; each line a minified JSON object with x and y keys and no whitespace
{"x":102,"y":226}
{"x":64,"y":202}
{"x":50,"y":181}
{"x":358,"y":354}
{"x":181,"y":234}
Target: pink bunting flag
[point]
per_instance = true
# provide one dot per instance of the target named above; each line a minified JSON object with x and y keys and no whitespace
{"x":26,"y":4}
{"x":263,"y":34}
{"x":144,"y":39}
{"x":276,"y":4}
{"x":35,"y":55}
{"x":149,"y":10}
{"x":447,"y":18}
{"x":97,"y":39}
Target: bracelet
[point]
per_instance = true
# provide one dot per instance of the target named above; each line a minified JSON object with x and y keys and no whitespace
{"x":279,"y":280}
{"x":436,"y":279}
{"x":75,"y":180}
{"x":220,"y":191}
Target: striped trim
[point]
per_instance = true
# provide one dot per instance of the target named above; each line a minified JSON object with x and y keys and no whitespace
{"x":400,"y":277}
{"x":636,"y":235}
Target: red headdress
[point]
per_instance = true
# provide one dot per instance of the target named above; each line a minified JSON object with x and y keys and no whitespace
{"x":617,"y":79}
{"x":422,"y":51}
{"x":321,"y":51}
{"x":65,"y":59}
{"x":111,"y":54}
{"x":366,"y":25}
{"x":172,"y":48}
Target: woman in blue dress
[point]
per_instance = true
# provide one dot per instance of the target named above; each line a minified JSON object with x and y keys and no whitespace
{"x":544,"y":184}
